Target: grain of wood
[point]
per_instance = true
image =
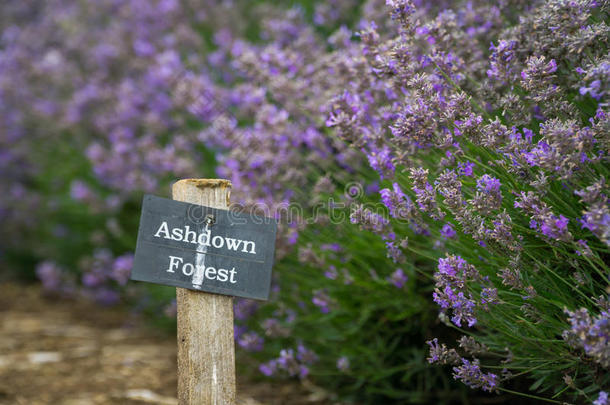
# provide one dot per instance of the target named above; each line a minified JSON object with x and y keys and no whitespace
{"x":206,"y":349}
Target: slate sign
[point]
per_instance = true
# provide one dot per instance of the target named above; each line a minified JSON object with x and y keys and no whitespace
{"x":202,"y":248}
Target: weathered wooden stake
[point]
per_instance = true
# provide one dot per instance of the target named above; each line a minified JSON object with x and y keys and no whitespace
{"x":206,"y":350}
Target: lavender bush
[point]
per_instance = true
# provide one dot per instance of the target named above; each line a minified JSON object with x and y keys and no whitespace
{"x":492,"y":138}
{"x":448,"y":162}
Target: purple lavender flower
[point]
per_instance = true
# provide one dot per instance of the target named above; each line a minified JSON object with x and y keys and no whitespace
{"x":251,"y":342}
{"x":121,"y":269}
{"x":273,"y":327}
{"x":425,"y":193}
{"x":598,"y":222}
{"x":551,"y":226}
{"x":584,"y":249}
{"x":596,"y":217}
{"x":401,"y":9}
{"x":268,"y":368}
{"x":79,"y":191}
{"x":343,"y":364}
{"x":489,"y":296}
{"x":244,"y":309}
{"x":554,"y":227}
{"x":471,"y":375}
{"x":369,"y":220}
{"x":596,"y":80}
{"x":450,"y":292}
{"x":501,"y":60}
{"x":288,"y":362}
{"x":305,"y":355}
{"x":538,"y":67}
{"x":592,"y":334}
{"x":398,"y":278}
{"x":441,"y":354}
{"x":602,"y":399}
{"x":466,"y":168}
{"x":395,"y":252}
{"x":380,"y":160}
{"x":398,"y":203}
{"x":331,"y":273}
{"x":93,"y":279}
{"x":50,"y":274}
{"x":447,"y":231}
{"x":106,"y":296}
{"x":303,"y":371}
{"x":322,"y":300}
{"x":488,"y":184}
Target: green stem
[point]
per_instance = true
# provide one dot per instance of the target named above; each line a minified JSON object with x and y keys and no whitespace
{"x":523,"y":394}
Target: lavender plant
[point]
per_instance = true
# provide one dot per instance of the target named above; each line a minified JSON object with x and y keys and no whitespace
{"x":497,"y":153}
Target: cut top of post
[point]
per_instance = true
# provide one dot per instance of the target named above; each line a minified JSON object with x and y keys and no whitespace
{"x":207,"y":183}
{"x":181,"y":187}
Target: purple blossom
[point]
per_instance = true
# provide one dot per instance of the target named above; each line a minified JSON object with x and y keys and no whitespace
{"x":305,"y":355}
{"x":596,"y":80}
{"x":584,"y":249}
{"x":470,"y":374}
{"x":451,"y":293}
{"x":369,"y":220}
{"x":441,"y":354}
{"x":598,"y":222}
{"x":106,"y":296}
{"x":602,"y":399}
{"x":400,"y":8}
{"x":425,"y":193}
{"x":398,"y":278}
{"x":466,"y":168}
{"x":244,"y":308}
{"x":447,"y":231}
{"x":488,"y":184}
{"x":268,"y":368}
{"x":288,"y":362}
{"x":251,"y":342}
{"x":397,"y":202}
{"x":552,"y":227}
{"x":274,"y":328}
{"x":489,"y":296}
{"x":538,"y":67}
{"x":322,"y":300}
{"x":121,"y":269}
{"x":79,"y":191}
{"x":592,"y":334}
{"x":343,"y":364}
{"x":501,"y":60}
{"x":596,"y":217}
{"x":380,"y":160}
{"x":331,"y":273}
{"x":50,"y":274}
{"x":395,"y":252}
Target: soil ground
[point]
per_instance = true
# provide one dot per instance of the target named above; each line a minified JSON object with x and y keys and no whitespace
{"x":70,"y":352}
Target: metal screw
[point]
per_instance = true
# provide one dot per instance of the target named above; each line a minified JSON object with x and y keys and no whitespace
{"x":209,"y":219}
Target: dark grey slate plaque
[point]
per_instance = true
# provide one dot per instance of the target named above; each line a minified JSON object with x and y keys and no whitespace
{"x":206,"y":249}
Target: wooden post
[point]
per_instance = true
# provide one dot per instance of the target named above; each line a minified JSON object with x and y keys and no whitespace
{"x":206,"y":349}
